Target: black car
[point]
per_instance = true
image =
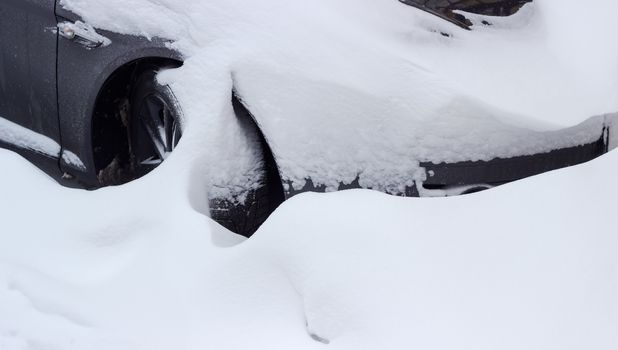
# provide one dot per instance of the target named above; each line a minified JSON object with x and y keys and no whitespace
{"x":83,"y":104}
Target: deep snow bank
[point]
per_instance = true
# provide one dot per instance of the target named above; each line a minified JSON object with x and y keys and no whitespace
{"x":348,"y":88}
{"x":528,"y":265}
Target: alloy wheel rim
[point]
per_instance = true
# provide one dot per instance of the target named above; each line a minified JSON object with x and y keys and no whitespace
{"x":162,"y":128}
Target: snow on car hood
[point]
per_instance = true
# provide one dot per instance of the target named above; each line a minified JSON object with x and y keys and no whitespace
{"x":347,"y":88}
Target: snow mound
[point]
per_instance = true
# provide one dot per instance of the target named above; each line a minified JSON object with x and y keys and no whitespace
{"x":527,"y":265}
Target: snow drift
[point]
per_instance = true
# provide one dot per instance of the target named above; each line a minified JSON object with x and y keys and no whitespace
{"x":528,"y":265}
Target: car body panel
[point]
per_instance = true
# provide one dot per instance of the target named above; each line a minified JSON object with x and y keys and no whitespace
{"x":329,"y":137}
{"x":446,"y":179}
{"x":446,"y":9}
{"x":82,"y":73}
{"x":28,"y":65}
{"x":499,"y":171}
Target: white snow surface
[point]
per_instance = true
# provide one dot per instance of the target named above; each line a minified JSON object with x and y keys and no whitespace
{"x":370,"y":88}
{"x":530,"y":265}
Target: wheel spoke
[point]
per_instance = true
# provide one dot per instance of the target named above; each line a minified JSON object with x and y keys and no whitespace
{"x":168,"y":125}
{"x":161,"y":127}
{"x":175,"y":134}
{"x":154,"y":108}
{"x":151,"y":120}
{"x":152,"y":161}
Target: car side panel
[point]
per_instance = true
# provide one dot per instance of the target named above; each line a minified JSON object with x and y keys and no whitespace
{"x":81,"y":75}
{"x":28,"y":40}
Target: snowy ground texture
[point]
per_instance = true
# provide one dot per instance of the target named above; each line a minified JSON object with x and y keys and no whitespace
{"x":530,"y":265}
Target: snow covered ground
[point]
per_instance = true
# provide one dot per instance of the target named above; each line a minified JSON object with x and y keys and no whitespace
{"x":530,"y":265}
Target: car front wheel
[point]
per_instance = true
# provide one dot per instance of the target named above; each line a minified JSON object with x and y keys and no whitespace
{"x":156,"y":123}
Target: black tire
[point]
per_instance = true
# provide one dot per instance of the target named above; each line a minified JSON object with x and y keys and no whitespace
{"x":246,"y":218}
{"x":155,"y":125}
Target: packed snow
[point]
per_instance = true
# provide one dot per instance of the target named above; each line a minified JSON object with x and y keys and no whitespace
{"x":530,"y":265}
{"x":341,"y":88}
{"x":378,"y":83}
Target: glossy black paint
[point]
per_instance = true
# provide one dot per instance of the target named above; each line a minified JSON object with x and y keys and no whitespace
{"x":499,"y":171}
{"x":482,"y":174}
{"x":81,"y":75}
{"x":28,"y":40}
{"x":50,"y":84}
{"x":448,"y":9}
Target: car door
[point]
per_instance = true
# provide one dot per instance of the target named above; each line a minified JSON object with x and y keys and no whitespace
{"x":28,"y":40}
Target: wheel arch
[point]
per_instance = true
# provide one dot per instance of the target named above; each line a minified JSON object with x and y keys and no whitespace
{"x":83,"y":76}
{"x":109,"y":123}
{"x":116,"y":86}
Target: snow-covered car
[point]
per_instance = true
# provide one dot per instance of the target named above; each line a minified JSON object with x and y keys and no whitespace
{"x":80,"y":97}
{"x":448,"y":9}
